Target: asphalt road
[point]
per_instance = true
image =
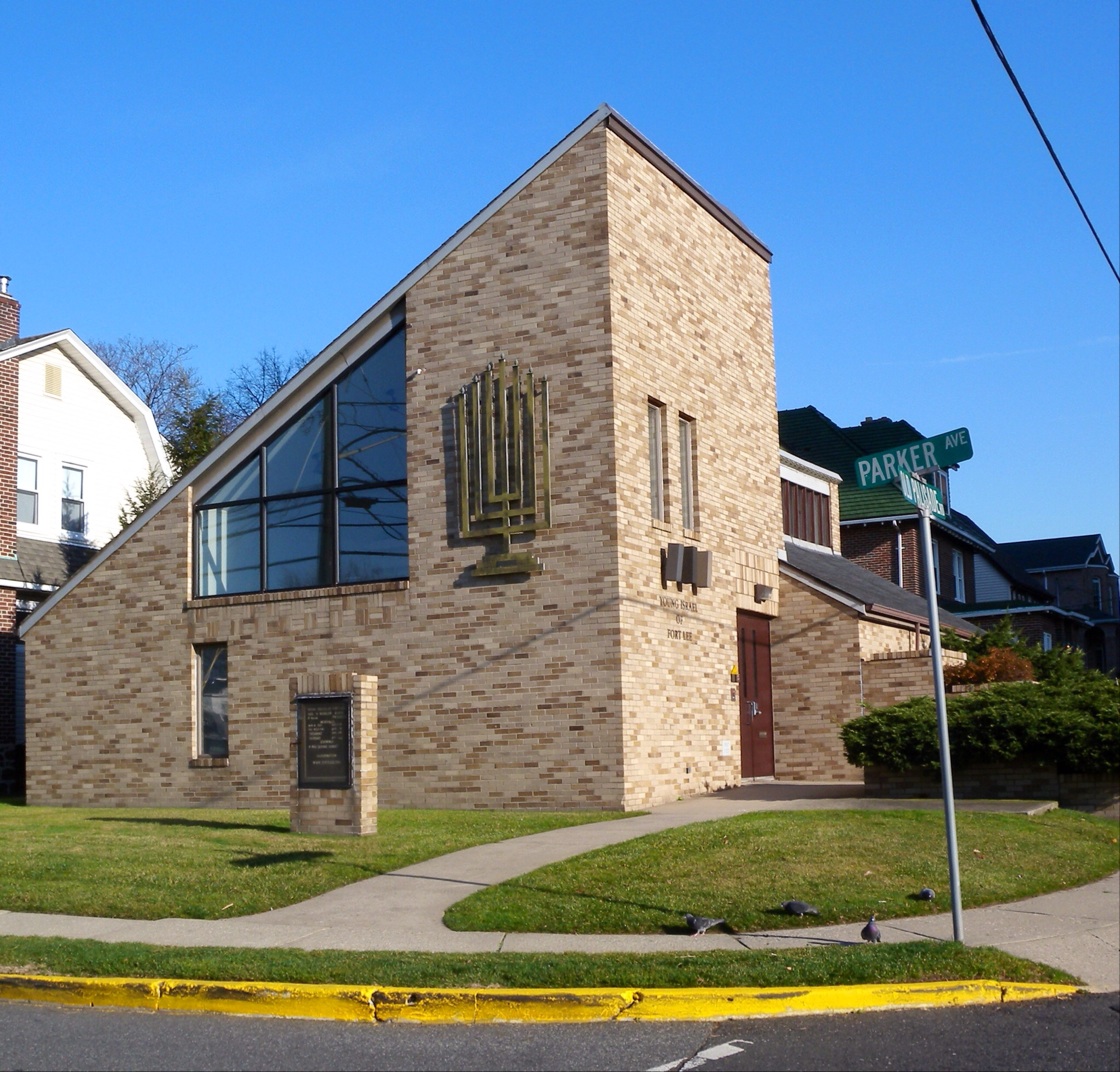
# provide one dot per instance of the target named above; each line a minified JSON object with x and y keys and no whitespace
{"x":1080,"y":1033}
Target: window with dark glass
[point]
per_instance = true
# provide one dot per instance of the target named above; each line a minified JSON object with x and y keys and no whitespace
{"x":325,"y":500}
{"x":73,"y":499}
{"x":213,"y":701}
{"x":27,"y":490}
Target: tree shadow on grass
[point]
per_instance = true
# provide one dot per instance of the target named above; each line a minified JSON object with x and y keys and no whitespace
{"x":212,"y":824}
{"x":268,"y":859}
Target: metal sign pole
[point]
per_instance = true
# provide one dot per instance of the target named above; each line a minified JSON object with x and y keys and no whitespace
{"x":942,"y":724}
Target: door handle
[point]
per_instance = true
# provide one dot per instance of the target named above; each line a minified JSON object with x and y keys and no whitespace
{"x":752,"y":709}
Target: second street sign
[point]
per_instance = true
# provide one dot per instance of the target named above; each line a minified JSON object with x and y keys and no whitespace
{"x":924,"y":496}
{"x":937,"y":452}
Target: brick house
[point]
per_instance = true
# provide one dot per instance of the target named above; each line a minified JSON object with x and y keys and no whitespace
{"x":976,"y":580}
{"x":530,"y":501}
{"x":75,"y":440}
{"x":1079,"y":574}
{"x":847,"y":639}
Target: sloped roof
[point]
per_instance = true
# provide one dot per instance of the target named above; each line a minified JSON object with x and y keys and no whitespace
{"x":809,"y":434}
{"x":43,"y":564}
{"x":874,"y":594}
{"x":1061,"y":552}
{"x":75,"y":350}
{"x":308,"y":380}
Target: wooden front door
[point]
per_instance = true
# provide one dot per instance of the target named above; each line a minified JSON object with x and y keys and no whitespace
{"x":756,"y":707}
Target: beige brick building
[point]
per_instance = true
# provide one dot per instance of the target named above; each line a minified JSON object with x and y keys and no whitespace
{"x":587,"y":675}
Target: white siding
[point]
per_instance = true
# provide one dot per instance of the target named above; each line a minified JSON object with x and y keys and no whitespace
{"x":991,"y":585}
{"x":83,"y":427}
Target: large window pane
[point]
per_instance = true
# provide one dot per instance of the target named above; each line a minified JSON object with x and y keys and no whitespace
{"x":373,"y":535}
{"x":371,"y":418}
{"x":243,"y":483}
{"x":297,"y":459}
{"x":300,"y":547}
{"x":229,"y":550}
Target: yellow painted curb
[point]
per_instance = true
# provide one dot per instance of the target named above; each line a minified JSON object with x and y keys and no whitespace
{"x":493,"y":1005}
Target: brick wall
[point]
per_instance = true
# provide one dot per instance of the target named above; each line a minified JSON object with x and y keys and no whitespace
{"x":890,"y":677}
{"x":11,"y":753}
{"x":815,"y":654}
{"x":587,"y":685}
{"x":1014,"y":780}
{"x":9,"y":318}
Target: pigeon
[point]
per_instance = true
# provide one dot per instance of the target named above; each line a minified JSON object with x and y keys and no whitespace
{"x":925,"y":894}
{"x":799,"y":908}
{"x":699,"y":924}
{"x":870,"y":932}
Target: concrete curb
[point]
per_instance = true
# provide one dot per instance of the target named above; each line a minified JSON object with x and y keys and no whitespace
{"x":374,"y":1004}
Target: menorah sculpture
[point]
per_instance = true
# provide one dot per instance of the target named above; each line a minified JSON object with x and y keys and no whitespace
{"x":503,"y":464}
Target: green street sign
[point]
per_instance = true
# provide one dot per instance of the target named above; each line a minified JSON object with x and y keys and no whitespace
{"x":922,"y":495}
{"x":937,"y":452}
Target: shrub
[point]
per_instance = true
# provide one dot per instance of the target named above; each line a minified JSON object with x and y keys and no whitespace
{"x":1074,"y":726}
{"x":999,"y":664}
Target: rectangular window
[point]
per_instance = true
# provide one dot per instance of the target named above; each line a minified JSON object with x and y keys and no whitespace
{"x":73,"y":500}
{"x":805,"y":514}
{"x":213,"y":701}
{"x":687,"y":428}
{"x":1097,"y":601}
{"x":936,"y":567}
{"x":657,"y":461}
{"x":1047,"y":641}
{"x":958,"y":576}
{"x":27,"y":490}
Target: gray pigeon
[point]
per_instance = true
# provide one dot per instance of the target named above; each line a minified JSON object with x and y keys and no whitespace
{"x":870,"y":932}
{"x":925,"y":894}
{"x":799,"y":908}
{"x":699,"y":924}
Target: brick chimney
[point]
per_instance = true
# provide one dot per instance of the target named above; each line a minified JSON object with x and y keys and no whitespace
{"x":9,"y":425}
{"x":9,"y":312}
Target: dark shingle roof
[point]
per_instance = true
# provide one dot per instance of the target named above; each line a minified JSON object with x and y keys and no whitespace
{"x":811,"y":435}
{"x":1062,"y":552}
{"x":868,"y":588}
{"x":40,"y":562}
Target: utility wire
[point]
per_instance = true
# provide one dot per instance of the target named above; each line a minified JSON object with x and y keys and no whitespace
{"x":1038,"y":125}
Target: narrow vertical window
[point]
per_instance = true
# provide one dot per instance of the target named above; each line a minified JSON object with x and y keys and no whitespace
{"x":687,"y":428}
{"x":936,"y":567}
{"x":1047,"y":641}
{"x":213,"y":701}
{"x":1097,"y":601}
{"x":958,"y":576}
{"x":27,"y":490}
{"x":656,"y":461}
{"x":73,"y":500}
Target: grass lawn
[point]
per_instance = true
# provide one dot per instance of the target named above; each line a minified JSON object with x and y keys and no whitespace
{"x":152,"y":863}
{"x":846,"y":863}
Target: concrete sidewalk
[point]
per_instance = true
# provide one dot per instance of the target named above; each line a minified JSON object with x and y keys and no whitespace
{"x":1076,"y":930}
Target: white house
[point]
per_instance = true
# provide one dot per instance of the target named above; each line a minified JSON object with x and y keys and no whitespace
{"x":74,"y":441}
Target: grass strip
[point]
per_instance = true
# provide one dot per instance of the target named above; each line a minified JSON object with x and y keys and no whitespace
{"x":830,"y":966}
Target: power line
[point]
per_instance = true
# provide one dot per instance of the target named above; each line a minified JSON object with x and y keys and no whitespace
{"x":1038,"y":125}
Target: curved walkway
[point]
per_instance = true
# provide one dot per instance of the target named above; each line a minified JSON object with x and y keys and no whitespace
{"x":1075,"y":930}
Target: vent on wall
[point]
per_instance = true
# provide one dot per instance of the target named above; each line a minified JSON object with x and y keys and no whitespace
{"x":53,"y":382}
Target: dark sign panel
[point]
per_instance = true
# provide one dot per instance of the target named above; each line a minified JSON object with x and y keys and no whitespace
{"x":323,"y":727}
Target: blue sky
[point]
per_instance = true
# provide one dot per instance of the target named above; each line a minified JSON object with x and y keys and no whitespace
{"x":237,"y":176}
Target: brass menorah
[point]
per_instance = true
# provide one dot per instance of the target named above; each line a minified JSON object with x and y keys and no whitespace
{"x":503,"y":463}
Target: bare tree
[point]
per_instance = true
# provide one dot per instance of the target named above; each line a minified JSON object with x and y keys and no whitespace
{"x":158,"y":372}
{"x":252,"y":383}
